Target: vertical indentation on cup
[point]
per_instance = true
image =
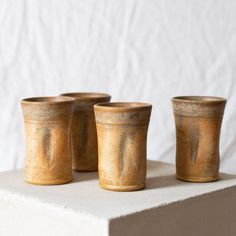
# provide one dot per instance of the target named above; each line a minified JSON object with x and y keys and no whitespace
{"x":194,"y":137}
{"x":127,"y":161}
{"x":84,"y":137}
{"x":123,"y":156}
{"x":48,"y":146}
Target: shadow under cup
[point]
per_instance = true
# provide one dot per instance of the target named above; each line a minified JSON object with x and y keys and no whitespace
{"x":198,"y":122}
{"x":47,"y":123}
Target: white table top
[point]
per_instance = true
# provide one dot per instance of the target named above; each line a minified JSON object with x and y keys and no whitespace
{"x":84,"y":196}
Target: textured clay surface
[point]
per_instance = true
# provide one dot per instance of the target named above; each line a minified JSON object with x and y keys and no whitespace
{"x":198,"y":124}
{"x":84,"y":133}
{"x":48,"y":140}
{"x":122,"y":135}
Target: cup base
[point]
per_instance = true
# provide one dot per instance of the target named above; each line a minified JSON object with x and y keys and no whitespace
{"x":85,"y":170}
{"x":197,"y":180}
{"x":48,"y":182}
{"x":122,"y":188}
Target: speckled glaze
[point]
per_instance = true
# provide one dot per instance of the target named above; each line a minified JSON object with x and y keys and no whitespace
{"x":48,"y":139}
{"x":84,"y":133}
{"x":122,"y":135}
{"x":198,"y":123}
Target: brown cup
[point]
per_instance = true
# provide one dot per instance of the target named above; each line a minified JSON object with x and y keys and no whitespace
{"x":122,"y":135}
{"x":84,"y":133}
{"x":47,"y":131}
{"x":198,"y":123}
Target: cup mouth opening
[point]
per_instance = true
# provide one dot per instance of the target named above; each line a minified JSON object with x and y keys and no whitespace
{"x":87,"y":96}
{"x":199,"y":99}
{"x":46,"y":100}
{"x":122,"y":106}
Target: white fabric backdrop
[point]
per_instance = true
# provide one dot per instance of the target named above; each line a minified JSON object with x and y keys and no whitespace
{"x":136,"y":50}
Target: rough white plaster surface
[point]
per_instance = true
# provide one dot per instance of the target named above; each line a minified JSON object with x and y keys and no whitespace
{"x":135,"y":50}
{"x":83,"y":208}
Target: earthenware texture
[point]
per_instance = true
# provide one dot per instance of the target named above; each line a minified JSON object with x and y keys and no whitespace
{"x":48,"y":139}
{"x":122,"y":135}
{"x":198,"y":124}
{"x":84,"y":133}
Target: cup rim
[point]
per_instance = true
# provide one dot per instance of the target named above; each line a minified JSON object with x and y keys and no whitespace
{"x":122,"y":106}
{"x":47,"y":100}
{"x":86,"y":96}
{"x":199,"y":99}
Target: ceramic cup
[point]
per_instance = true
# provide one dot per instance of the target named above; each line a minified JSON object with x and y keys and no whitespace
{"x":48,"y":146}
{"x":84,"y":133}
{"x":198,"y":123}
{"x":122,"y":135}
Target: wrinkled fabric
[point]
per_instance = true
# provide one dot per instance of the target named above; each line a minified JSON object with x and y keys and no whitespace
{"x":135,"y":50}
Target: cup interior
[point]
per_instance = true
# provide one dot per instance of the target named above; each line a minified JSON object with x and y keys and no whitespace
{"x":116,"y":106}
{"x":199,"y":99}
{"x":87,"y":96}
{"x":43,"y":100}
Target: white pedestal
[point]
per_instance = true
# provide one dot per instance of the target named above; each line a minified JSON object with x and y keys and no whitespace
{"x":167,"y":207}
